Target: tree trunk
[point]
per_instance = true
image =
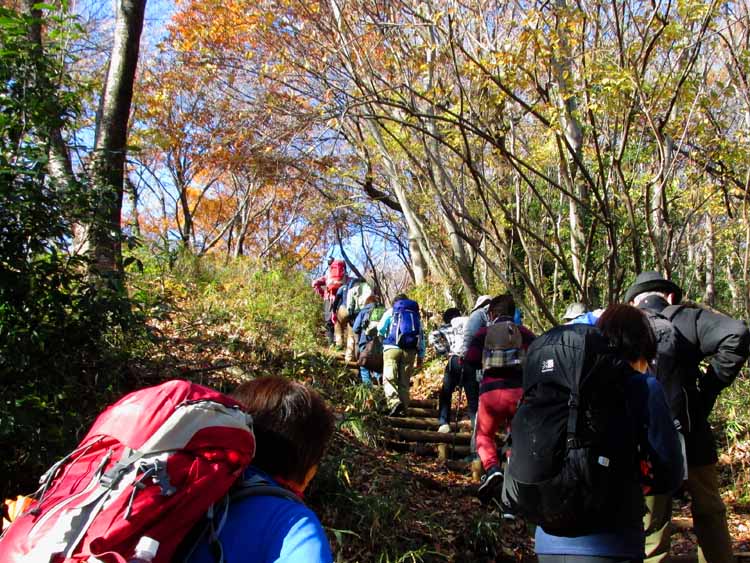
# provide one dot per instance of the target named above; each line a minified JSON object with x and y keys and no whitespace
{"x":709,"y":295}
{"x":110,"y":144}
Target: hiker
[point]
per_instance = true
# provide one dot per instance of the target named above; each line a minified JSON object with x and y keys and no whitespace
{"x":293,"y":427}
{"x":653,"y":444}
{"x":687,"y":335}
{"x":447,"y":340}
{"x":403,"y":341}
{"x":500,"y":360}
{"x":366,"y":330}
{"x":573,"y":311}
{"x":477,"y":320}
{"x":326,"y":286}
{"x":343,"y":322}
{"x":356,"y":297}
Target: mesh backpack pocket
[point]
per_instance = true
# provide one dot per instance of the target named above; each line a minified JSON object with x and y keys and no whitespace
{"x":503,"y":346}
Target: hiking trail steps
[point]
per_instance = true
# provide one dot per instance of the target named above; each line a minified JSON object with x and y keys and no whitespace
{"x":416,"y":432}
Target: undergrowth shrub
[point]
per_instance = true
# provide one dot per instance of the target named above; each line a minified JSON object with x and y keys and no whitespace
{"x":271,"y":309}
{"x":731,"y":420}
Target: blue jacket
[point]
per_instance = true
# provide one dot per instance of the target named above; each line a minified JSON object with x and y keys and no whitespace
{"x":267,"y":529}
{"x":622,"y":535}
{"x":360,"y":325}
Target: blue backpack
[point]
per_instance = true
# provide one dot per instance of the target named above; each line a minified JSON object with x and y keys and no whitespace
{"x":406,"y":325}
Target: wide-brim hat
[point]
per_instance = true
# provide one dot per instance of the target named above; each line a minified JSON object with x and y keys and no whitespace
{"x":573,"y":311}
{"x":653,"y":281}
{"x":482,"y":300}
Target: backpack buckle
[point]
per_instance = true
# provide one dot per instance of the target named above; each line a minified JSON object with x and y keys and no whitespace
{"x":573,"y":401}
{"x":109,"y":479}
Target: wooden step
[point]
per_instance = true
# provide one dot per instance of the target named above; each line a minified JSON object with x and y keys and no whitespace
{"x":421,"y":412}
{"x":424,"y":423}
{"x":430,"y":437}
{"x":427,"y":450}
{"x":423,"y":403}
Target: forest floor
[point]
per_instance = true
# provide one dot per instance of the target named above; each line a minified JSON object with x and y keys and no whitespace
{"x":379,"y":505}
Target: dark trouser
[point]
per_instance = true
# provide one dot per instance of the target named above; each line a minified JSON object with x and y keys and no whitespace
{"x":456,"y":375}
{"x":584,"y":559}
{"x":327,"y":319}
{"x":329,"y":331}
{"x":709,"y":519}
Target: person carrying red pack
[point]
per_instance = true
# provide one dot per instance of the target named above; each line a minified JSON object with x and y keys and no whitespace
{"x":326,"y":286}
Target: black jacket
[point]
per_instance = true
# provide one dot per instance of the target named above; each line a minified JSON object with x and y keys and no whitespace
{"x":725,"y":344}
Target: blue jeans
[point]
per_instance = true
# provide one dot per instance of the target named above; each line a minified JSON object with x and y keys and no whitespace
{"x":365,"y":373}
{"x":456,"y":375}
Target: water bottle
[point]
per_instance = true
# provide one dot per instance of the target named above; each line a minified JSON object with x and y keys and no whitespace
{"x":145,"y":550}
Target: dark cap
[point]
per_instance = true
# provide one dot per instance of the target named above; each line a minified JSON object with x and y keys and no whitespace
{"x":653,"y":281}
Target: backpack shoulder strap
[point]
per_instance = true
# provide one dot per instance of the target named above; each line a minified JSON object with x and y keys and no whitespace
{"x":210,"y":527}
{"x":258,"y":486}
{"x":670,"y":312}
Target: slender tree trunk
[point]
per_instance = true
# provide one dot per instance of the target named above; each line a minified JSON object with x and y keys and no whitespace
{"x":110,"y":145}
{"x":709,"y":295}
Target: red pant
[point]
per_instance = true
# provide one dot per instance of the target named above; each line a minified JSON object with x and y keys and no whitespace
{"x":496,"y":408}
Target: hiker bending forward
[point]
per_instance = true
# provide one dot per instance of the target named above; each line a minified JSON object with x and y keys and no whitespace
{"x":500,"y":388}
{"x":619,"y":537}
{"x":292,"y":426}
{"x":697,"y":334}
{"x":403,"y":341}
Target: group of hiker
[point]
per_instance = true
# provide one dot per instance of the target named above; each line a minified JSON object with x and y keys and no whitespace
{"x":606,"y":414}
{"x":388,"y":343}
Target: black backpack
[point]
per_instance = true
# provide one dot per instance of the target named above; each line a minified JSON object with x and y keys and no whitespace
{"x":673,"y":353}
{"x":573,"y":446}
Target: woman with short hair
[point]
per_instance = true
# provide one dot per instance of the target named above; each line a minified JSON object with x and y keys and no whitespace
{"x":293,"y":426}
{"x":620,"y":538}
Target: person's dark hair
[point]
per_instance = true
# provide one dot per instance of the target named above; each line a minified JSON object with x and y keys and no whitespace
{"x":502,"y":306}
{"x":292,"y":424}
{"x":372,"y":298}
{"x":400,"y":297}
{"x":450,"y":314}
{"x":629,"y":332}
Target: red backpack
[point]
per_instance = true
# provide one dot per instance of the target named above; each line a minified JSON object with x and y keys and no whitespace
{"x":335,"y":275}
{"x":151,"y":466}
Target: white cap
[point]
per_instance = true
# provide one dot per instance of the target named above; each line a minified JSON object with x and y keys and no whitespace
{"x":147,"y":547}
{"x":481,"y":301}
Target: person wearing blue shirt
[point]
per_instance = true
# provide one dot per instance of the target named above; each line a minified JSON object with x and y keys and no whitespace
{"x":364,"y":335}
{"x":293,"y":426}
{"x":621,"y":538}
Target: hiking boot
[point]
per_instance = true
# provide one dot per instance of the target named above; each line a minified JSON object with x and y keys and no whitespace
{"x":444,"y":428}
{"x":490,"y":485}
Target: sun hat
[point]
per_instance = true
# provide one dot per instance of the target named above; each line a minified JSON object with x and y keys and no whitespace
{"x":653,"y":281}
{"x":573,"y":311}
{"x":482,"y":300}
